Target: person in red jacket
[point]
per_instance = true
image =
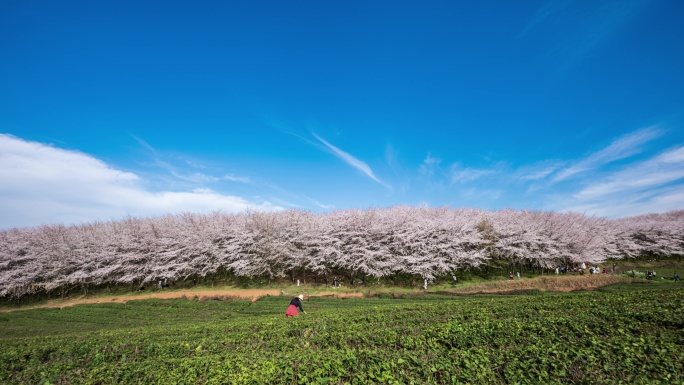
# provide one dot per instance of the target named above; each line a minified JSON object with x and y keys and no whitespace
{"x":294,"y":304}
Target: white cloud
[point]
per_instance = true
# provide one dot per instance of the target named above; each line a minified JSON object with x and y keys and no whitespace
{"x":319,"y":204}
{"x":576,"y":28}
{"x":43,"y":184}
{"x":653,"y":185}
{"x":392,"y":159}
{"x":660,"y":170}
{"x":463,"y":175}
{"x":621,"y":148}
{"x":181,"y":173}
{"x":672,"y":156}
{"x":538,"y":171}
{"x":429,"y":165}
{"x":482,"y":194}
{"x":194,"y":177}
{"x":352,"y":161}
{"x":654,"y":201}
{"x":629,"y":187}
{"x":234,"y":178}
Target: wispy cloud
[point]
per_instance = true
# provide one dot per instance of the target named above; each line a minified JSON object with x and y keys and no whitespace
{"x":482,"y":193}
{"x":402,"y":182}
{"x":44,"y":184}
{"x":538,"y":171}
{"x":624,"y":147}
{"x":577,"y":29}
{"x":392,"y":159}
{"x":194,"y":177}
{"x":185,"y":170}
{"x":656,"y":200}
{"x":234,"y":178}
{"x":548,"y":9}
{"x":430,"y":165}
{"x":461,"y":185}
{"x":655,"y":172}
{"x":460,"y":174}
{"x":319,"y":204}
{"x":352,"y":161}
{"x":615,"y":181}
{"x":654,"y":184}
{"x":293,"y":197}
{"x":455,"y":173}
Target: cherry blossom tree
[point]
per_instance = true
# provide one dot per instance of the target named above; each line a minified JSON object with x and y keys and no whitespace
{"x":425,"y":243}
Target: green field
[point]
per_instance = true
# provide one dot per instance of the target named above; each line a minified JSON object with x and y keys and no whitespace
{"x":630,"y":333}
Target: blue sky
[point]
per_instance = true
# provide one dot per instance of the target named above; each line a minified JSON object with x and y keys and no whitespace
{"x":138,"y":108}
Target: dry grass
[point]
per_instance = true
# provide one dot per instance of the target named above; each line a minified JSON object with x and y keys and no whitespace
{"x":193,"y":295}
{"x":551,"y":283}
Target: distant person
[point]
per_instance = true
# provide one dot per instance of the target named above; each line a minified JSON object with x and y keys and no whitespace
{"x":294,"y":304}
{"x":676,"y":277}
{"x":518,"y":273}
{"x":510,"y":275}
{"x":557,"y":271}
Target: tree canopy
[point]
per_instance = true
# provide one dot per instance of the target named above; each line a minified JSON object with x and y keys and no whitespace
{"x":428,"y":242}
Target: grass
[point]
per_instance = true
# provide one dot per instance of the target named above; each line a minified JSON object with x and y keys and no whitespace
{"x":664,"y":269}
{"x":622,"y":333}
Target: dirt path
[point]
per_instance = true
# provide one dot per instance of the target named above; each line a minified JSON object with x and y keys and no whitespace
{"x":250,"y":294}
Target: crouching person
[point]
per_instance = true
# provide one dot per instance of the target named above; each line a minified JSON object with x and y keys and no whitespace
{"x":294,"y":305}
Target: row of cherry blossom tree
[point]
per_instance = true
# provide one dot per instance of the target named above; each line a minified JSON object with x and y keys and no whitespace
{"x":423,"y":242}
